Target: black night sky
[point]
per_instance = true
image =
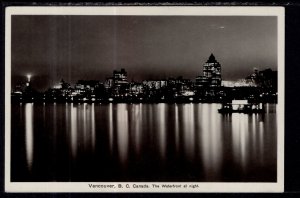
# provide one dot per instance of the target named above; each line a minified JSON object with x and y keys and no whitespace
{"x":148,"y":47}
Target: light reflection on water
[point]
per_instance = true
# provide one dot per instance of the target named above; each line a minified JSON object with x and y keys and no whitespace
{"x":161,"y":128}
{"x":29,"y":133}
{"x":110,"y":127}
{"x":137,"y":119}
{"x":85,"y":126}
{"x":176,"y":121}
{"x":122,"y":132}
{"x":74,"y":132}
{"x":93,"y":129}
{"x":189,"y":130}
{"x":81,"y":119}
{"x":240,"y":136}
{"x":211,"y":144}
{"x":193,"y":135}
{"x":261,"y":141}
{"x":254,"y":133}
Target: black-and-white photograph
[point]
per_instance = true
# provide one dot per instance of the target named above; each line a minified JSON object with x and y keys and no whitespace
{"x":136,"y":99}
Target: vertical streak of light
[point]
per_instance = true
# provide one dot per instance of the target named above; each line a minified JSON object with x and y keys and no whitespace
{"x":73,"y":130}
{"x":204,"y":114}
{"x":216,"y":140}
{"x":235,"y":136}
{"x":161,"y":120}
{"x":185,"y":128}
{"x":176,"y":128}
{"x":29,"y":133}
{"x":141,"y":124}
{"x":84,"y":126}
{"x":200,"y":128}
{"x":244,"y":140}
{"x":189,"y":130}
{"x":241,"y":141}
{"x":213,"y":144}
{"x":137,"y":128}
{"x":93,"y":133}
{"x":261,"y":141}
{"x":254,"y":142}
{"x":67,"y":120}
{"x":150,"y":123}
{"x":192,"y":131}
{"x":110,"y":126}
{"x":122,"y":132}
{"x":89,"y":125}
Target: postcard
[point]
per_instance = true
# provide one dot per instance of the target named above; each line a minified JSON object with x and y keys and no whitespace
{"x":144,"y":99}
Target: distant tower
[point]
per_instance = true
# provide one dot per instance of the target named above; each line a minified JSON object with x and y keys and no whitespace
{"x":211,"y":74}
{"x":28,"y":80}
{"x":212,"y":71}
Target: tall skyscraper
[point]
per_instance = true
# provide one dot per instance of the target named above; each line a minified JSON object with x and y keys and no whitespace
{"x":211,"y":73}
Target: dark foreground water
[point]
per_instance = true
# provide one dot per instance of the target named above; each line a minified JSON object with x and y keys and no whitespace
{"x":141,"y":142}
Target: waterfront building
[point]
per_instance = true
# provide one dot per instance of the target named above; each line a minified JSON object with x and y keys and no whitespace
{"x":120,"y":86}
{"x":211,"y":73}
{"x":266,"y":78}
{"x":238,"y":83}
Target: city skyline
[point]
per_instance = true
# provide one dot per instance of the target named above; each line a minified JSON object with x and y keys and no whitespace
{"x":25,"y":80}
{"x":149,"y":47}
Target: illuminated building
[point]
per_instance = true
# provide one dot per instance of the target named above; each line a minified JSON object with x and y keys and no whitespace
{"x":238,"y":83}
{"x":266,"y":78}
{"x":211,"y":73}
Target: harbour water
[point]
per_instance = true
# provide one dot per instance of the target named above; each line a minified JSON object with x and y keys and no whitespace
{"x":141,"y":143}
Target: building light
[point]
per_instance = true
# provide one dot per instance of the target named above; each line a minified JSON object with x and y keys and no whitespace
{"x":28,"y":77}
